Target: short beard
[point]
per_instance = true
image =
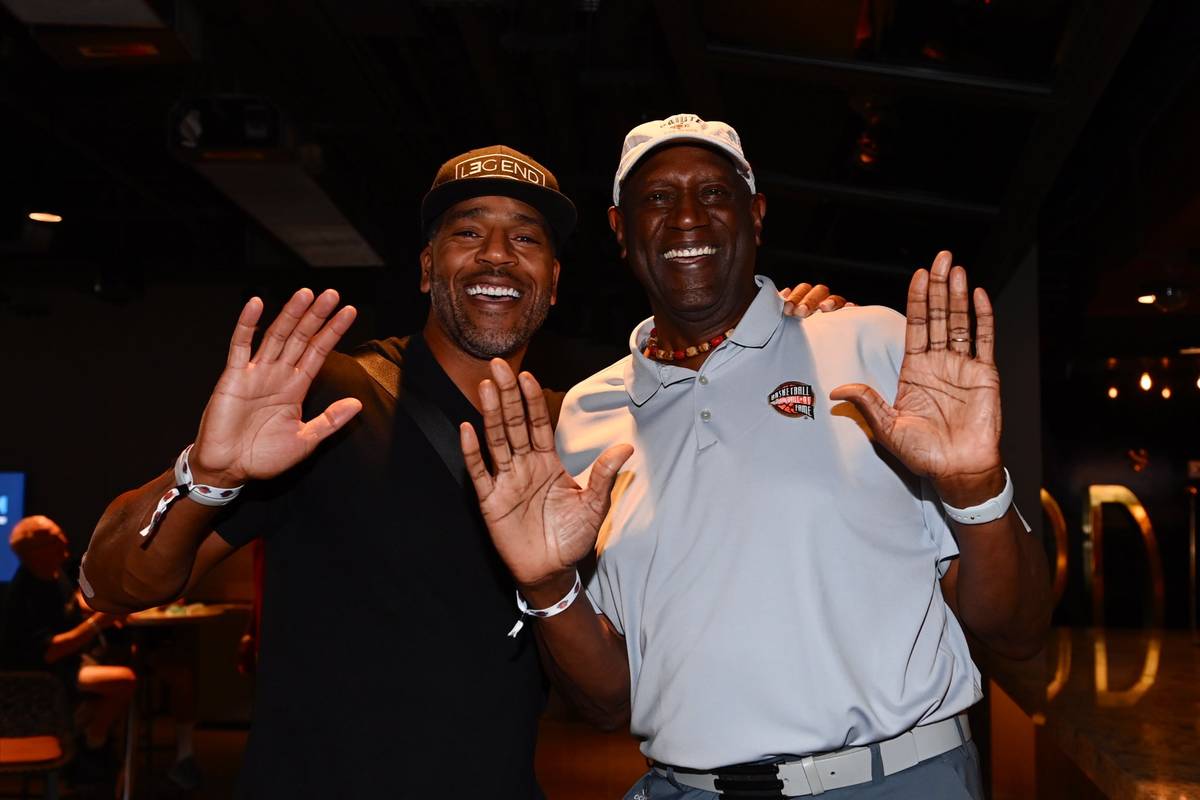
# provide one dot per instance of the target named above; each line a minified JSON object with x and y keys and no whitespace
{"x":483,"y":342}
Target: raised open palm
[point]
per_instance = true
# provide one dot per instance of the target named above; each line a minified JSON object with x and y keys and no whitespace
{"x":253,"y":427}
{"x":541,"y":521}
{"x":945,"y":422}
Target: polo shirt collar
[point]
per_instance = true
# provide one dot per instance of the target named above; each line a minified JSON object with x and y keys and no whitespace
{"x":644,"y":376}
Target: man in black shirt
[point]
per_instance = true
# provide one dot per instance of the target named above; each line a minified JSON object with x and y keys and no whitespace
{"x":371,"y":664}
{"x":374,"y":661}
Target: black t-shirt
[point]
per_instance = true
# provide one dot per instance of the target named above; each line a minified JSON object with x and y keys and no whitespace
{"x":35,"y":612}
{"x":384,"y":668}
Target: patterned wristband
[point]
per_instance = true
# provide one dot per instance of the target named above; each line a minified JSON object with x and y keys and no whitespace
{"x":543,"y":613}
{"x":185,"y":487}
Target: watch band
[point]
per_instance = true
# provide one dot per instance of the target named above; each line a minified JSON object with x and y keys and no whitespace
{"x":987,"y":511}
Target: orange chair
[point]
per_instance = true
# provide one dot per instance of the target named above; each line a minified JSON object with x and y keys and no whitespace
{"x":35,"y":729}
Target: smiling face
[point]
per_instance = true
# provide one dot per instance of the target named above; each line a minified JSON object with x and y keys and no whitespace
{"x":689,"y":227}
{"x":491,"y":275}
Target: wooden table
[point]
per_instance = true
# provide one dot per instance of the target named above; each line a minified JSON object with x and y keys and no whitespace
{"x":182,"y":614}
{"x":164,"y":617}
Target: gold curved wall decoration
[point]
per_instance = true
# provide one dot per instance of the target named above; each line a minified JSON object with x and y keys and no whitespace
{"x":1093,"y":546}
{"x":1130,"y":696}
{"x":1058,"y":524}
{"x":1062,"y":666}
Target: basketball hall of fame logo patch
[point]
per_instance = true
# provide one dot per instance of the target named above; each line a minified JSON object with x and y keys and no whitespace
{"x":792,"y":399}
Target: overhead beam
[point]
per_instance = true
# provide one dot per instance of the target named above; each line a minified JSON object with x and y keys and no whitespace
{"x":874,"y":76}
{"x":687,"y":42}
{"x":1097,"y":36}
{"x":926,"y":202}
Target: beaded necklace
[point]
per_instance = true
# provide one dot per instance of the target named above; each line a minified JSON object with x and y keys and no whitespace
{"x":652,"y":350}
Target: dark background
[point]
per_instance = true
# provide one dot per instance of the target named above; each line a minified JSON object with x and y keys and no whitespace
{"x":1049,"y":143}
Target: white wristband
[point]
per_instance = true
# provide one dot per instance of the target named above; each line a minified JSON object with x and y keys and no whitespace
{"x":987,"y":511}
{"x":184,"y":486}
{"x":201,"y":493}
{"x":543,"y":613}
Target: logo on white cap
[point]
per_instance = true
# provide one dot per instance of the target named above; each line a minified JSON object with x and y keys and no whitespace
{"x":681,"y":127}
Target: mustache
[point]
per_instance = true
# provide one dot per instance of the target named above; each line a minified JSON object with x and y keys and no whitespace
{"x":492,"y":272}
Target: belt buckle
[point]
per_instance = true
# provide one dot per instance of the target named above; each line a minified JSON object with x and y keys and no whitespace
{"x":749,"y":782}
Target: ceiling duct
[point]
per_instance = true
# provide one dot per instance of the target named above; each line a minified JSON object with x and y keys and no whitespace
{"x":104,"y":33}
{"x":244,"y":147}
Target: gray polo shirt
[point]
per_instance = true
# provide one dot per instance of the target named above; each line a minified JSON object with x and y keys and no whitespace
{"x":775,"y":574}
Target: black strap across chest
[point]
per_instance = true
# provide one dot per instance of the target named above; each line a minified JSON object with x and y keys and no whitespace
{"x":432,"y":421}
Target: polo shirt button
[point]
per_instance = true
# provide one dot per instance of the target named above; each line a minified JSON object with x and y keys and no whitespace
{"x":704,"y":380}
{"x":706,"y":415}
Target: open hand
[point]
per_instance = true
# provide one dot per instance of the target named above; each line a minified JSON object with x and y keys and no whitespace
{"x":541,"y":521}
{"x":945,"y":423}
{"x":252,"y":427}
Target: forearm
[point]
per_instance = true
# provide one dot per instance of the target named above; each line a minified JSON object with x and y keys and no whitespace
{"x":125,"y":573}
{"x":584,"y":655}
{"x":1003,"y":586}
{"x":71,"y":642}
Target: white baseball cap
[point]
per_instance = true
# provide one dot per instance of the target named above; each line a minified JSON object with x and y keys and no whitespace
{"x":679,"y":128}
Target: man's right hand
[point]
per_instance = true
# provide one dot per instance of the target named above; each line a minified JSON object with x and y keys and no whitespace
{"x":252,"y":427}
{"x":541,"y":521}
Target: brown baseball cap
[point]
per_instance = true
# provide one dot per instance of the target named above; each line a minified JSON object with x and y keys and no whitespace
{"x":499,"y":170}
{"x":33,"y":532}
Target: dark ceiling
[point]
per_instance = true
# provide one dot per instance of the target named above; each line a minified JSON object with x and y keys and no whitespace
{"x":882,"y":131}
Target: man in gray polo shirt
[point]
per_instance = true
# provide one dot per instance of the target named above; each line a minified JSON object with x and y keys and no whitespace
{"x":757,"y":651}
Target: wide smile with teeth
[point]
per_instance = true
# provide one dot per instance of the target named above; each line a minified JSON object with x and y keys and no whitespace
{"x":690,"y":252}
{"x":487,"y":290}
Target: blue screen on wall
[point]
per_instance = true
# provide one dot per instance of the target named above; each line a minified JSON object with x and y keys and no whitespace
{"x":12,"y":509}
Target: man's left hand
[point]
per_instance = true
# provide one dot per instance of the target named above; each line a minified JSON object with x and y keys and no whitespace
{"x":945,"y":422}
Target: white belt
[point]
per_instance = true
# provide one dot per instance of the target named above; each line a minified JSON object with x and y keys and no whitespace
{"x":819,"y":773}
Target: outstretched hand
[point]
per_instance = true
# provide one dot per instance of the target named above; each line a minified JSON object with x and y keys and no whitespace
{"x":541,"y":521}
{"x":252,"y":427}
{"x":945,"y":422}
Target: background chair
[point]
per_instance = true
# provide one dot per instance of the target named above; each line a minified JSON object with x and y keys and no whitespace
{"x":35,"y":729}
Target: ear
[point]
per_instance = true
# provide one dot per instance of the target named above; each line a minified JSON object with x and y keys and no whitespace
{"x":554,"y":283}
{"x":758,"y":210}
{"x":617,"y":222}
{"x":426,"y":266}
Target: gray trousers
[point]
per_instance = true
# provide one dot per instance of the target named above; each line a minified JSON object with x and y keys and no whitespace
{"x":954,"y":775}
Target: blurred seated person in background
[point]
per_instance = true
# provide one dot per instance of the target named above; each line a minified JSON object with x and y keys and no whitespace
{"x":47,"y":627}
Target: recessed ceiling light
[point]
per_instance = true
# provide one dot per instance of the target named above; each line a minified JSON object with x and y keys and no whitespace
{"x":1145,"y":382}
{"x":1166,"y":393}
{"x":44,"y":216}
{"x":1112,"y":392}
